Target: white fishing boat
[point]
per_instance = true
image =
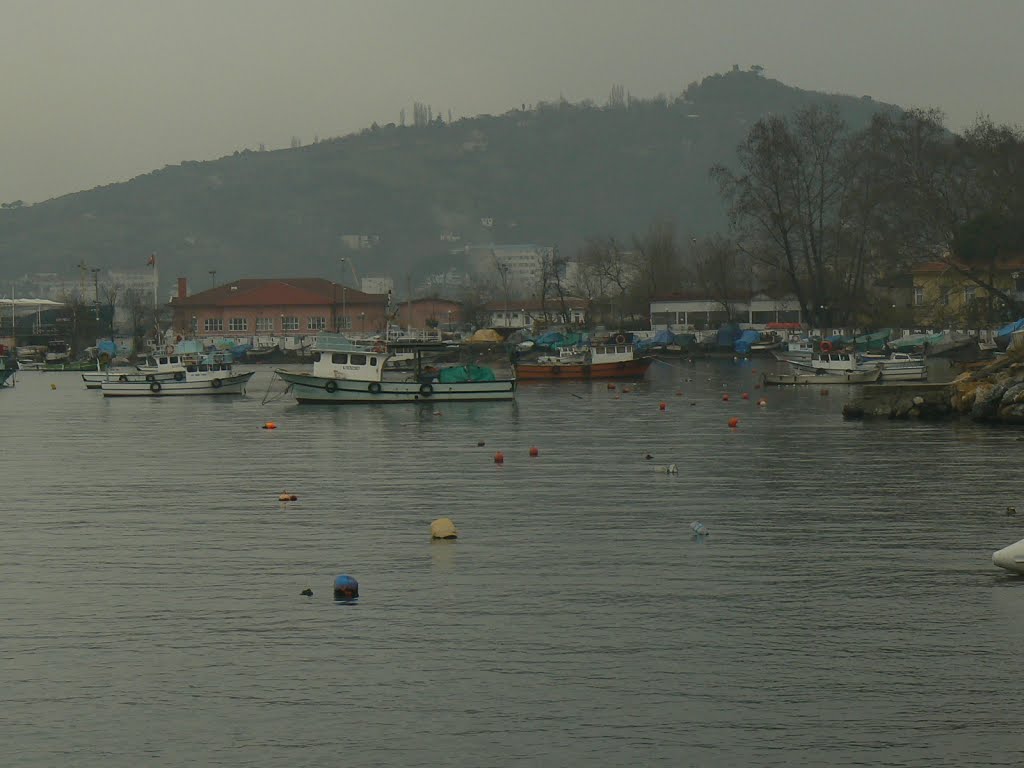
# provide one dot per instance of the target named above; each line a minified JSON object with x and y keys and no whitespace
{"x":822,"y":377}
{"x":206,"y":377}
{"x":1011,"y":558}
{"x":896,"y":367}
{"x":344,"y":372}
{"x":159,"y":368}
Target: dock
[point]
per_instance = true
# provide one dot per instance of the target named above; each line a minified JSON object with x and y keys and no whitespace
{"x":907,"y":400}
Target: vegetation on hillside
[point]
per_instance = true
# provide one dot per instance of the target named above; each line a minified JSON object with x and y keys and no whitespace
{"x":556,"y":174}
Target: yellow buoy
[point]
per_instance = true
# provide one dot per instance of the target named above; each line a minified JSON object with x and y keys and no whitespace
{"x":443,"y":528}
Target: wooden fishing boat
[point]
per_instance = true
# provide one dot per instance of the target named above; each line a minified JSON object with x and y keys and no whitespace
{"x":609,"y":361}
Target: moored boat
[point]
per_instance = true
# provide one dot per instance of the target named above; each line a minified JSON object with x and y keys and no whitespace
{"x":344,"y":372}
{"x":896,"y":367}
{"x":822,"y":377}
{"x":222,"y":382}
{"x":607,"y":361}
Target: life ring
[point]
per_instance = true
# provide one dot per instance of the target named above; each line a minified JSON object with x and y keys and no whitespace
{"x":122,"y":377}
{"x":169,"y":349}
{"x":216,"y":383}
{"x":179,"y":376}
{"x":825,"y":346}
{"x":154,"y":386}
{"x":331,"y":386}
{"x":378,"y":347}
{"x":426,"y":390}
{"x":374,"y":388}
{"x":620,"y":339}
{"x":150,"y":377}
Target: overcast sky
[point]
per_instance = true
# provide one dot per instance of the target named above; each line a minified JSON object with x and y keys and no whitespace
{"x":98,"y":91}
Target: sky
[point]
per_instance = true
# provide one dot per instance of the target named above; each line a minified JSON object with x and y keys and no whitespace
{"x":98,"y":91}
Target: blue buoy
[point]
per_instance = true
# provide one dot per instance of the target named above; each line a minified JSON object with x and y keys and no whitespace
{"x":345,"y":588}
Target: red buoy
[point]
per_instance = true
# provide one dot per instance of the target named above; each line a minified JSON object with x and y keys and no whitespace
{"x":725,"y":397}
{"x":499,"y":458}
{"x":270,"y":425}
{"x":534,"y":451}
{"x":662,"y":406}
{"x":734,"y":422}
{"x":745,"y":395}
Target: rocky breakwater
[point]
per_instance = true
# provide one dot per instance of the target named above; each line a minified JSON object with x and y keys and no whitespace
{"x":993,"y":394}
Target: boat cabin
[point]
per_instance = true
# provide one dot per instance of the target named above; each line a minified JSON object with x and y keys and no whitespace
{"x":611,"y":353}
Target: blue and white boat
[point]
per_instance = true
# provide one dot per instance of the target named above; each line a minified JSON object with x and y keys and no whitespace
{"x":344,"y":372}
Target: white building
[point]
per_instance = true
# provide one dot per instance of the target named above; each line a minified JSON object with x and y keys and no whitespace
{"x":377,"y":285}
{"x":515,"y":268}
{"x":694,"y":311}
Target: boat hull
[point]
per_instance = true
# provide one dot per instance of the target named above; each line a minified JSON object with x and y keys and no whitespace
{"x":225,"y":385}
{"x":831,"y":377}
{"x":550,"y":371}
{"x":317,"y":389}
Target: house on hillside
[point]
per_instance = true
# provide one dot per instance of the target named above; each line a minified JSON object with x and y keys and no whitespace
{"x":277,"y":307}
{"x":943,"y":297}
{"x":699,"y":311}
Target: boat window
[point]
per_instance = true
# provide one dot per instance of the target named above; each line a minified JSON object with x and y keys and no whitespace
{"x":204,"y":368}
{"x":358,"y":359}
{"x":339,"y":358}
{"x":317,"y":356}
{"x":161,"y":361}
{"x":373,"y":361}
{"x":173,"y":361}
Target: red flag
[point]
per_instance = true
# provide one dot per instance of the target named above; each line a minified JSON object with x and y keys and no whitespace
{"x":152,"y":261}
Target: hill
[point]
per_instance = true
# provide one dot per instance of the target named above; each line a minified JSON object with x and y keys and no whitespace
{"x":555,"y":173}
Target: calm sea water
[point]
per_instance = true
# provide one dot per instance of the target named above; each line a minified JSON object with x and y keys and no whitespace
{"x":844,"y":610}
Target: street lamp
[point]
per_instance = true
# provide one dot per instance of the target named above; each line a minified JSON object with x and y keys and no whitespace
{"x":213,"y":278}
{"x":362,"y":322}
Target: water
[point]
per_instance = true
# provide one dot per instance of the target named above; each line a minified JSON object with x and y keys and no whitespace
{"x":844,"y":611}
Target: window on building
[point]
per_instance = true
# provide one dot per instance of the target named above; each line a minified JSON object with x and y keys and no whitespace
{"x":344,"y":322}
{"x":918,"y":296}
{"x":316,"y":323}
{"x":238,"y":324}
{"x":289,"y":323}
{"x":213,"y":324}
{"x":944,"y":299}
{"x":970,"y":293}
{"x":264,"y":325}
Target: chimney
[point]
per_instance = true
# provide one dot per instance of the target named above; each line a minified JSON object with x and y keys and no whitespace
{"x":182,"y":287}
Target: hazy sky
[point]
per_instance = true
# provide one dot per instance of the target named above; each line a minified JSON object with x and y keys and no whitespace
{"x":98,"y":91}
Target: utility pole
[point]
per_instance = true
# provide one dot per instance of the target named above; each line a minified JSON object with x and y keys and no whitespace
{"x":213,"y":278}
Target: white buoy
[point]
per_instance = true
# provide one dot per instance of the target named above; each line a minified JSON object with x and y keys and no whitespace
{"x":1011,"y":558}
{"x":699,"y":529}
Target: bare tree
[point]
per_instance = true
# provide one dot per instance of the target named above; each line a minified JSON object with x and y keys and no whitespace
{"x":718,"y":269}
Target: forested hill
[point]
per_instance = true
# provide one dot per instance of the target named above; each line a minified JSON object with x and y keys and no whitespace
{"x":553,"y":173}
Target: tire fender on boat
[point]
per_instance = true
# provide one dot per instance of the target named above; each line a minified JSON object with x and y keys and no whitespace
{"x":620,"y":339}
{"x":216,"y":383}
{"x":179,"y":376}
{"x":825,"y":346}
{"x":155,"y":387}
{"x":122,"y":377}
{"x":374,"y":388}
{"x":426,"y":390}
{"x":331,"y":386}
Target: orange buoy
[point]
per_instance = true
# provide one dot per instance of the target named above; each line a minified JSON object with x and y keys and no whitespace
{"x":534,"y":451}
{"x":757,"y":386}
{"x":725,"y":397}
{"x":499,"y":458}
{"x":270,"y":425}
{"x":745,"y":395}
{"x":734,"y":422}
{"x":662,"y":406}
{"x":284,"y":496}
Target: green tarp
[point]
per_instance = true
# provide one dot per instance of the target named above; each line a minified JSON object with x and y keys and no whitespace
{"x":464,"y":373}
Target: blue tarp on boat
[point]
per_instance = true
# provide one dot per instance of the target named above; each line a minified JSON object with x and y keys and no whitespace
{"x":1008,"y":330}
{"x":746,"y":340}
{"x":727,"y":335}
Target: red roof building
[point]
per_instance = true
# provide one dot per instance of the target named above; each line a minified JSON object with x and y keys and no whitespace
{"x":278,"y":307}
